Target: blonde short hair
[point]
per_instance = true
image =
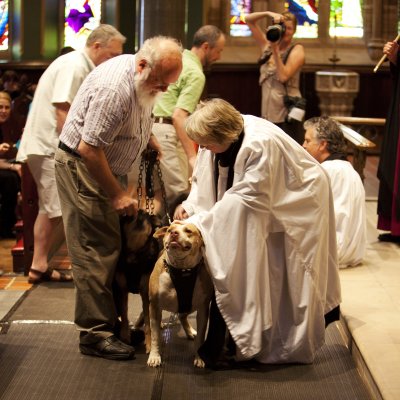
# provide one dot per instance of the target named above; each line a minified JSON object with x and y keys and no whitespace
{"x":288,"y":16}
{"x":103,"y":34}
{"x":215,"y":122}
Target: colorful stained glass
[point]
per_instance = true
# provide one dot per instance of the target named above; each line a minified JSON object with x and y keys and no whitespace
{"x":81,"y":17}
{"x":238,"y":26}
{"x":3,"y":25}
{"x":346,"y":18}
{"x":306,"y":12}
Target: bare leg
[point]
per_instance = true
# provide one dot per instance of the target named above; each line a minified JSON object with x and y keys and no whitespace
{"x":43,"y":234}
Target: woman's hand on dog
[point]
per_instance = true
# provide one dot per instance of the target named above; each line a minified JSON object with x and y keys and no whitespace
{"x":125,"y":205}
{"x":180,"y":213}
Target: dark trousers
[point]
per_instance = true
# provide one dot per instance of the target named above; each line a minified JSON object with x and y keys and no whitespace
{"x":10,"y":185}
{"x":218,"y":341}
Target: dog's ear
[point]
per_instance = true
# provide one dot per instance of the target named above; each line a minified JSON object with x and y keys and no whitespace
{"x":160,"y":232}
{"x":201,"y":239}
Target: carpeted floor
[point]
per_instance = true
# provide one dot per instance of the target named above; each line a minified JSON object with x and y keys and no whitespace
{"x":39,"y":359}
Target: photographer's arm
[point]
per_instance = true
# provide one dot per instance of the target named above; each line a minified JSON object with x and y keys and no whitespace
{"x":294,"y":62}
{"x":258,"y":33}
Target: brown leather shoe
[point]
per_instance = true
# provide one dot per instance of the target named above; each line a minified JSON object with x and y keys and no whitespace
{"x":111,"y":348}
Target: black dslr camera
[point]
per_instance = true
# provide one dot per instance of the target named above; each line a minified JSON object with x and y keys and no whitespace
{"x":275,"y":32}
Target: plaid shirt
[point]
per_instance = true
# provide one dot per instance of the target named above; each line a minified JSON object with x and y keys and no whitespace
{"x":106,"y":113}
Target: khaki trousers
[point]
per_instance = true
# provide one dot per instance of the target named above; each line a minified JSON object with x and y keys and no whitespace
{"x":174,"y":163}
{"x":93,"y":238}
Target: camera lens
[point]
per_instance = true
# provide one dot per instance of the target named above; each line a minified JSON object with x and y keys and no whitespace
{"x":274,"y":32}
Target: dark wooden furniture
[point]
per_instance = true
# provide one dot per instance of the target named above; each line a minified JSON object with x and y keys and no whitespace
{"x":22,"y":252}
{"x":357,"y":131}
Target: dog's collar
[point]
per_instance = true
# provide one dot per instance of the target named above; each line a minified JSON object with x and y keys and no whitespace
{"x":176,"y":270}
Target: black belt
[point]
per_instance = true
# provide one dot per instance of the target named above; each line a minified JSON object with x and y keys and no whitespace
{"x":67,"y":149}
{"x":163,"y":120}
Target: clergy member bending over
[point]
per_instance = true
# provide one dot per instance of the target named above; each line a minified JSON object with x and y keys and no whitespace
{"x":265,"y":210}
{"x":324,"y":140}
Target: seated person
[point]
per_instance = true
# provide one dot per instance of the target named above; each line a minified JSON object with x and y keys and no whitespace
{"x":10,"y":83}
{"x":10,"y":182}
{"x":265,"y":211}
{"x":324,"y":140}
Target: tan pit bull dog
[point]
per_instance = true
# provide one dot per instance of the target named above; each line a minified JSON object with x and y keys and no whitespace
{"x":179,"y":283}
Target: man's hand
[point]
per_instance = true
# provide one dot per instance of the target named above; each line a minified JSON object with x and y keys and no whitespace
{"x":125,"y":205}
{"x":154,"y":145}
{"x":391,"y":49}
{"x":98,"y":167}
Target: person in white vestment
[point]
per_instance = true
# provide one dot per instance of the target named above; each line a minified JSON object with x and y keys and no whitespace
{"x":265,"y":211}
{"x":325,"y":141}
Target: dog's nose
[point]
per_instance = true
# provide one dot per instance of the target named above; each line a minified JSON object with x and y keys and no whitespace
{"x":174,"y":233}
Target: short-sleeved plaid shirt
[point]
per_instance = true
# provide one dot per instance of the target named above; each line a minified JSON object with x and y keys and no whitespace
{"x":106,"y":113}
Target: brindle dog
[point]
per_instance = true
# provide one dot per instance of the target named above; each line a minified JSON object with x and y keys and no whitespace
{"x":139,"y":254}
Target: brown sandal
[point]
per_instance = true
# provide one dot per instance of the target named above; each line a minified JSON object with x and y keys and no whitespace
{"x":47,"y":276}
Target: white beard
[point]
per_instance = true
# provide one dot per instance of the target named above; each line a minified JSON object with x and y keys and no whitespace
{"x":146,"y":97}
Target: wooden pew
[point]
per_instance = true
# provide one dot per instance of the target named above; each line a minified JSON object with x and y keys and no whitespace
{"x":22,"y":252}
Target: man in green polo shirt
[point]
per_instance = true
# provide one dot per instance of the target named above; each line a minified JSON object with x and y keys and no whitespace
{"x":177,"y":103}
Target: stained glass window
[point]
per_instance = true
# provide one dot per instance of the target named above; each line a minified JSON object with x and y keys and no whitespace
{"x":81,"y":17}
{"x":346,"y":19}
{"x":3,"y":25}
{"x":306,"y":12}
{"x":238,"y":26}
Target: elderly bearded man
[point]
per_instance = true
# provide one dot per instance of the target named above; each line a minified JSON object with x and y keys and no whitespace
{"x":107,"y":128}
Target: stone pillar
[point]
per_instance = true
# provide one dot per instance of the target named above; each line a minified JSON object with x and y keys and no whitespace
{"x":336,"y":91}
{"x":375,"y":44}
{"x":160,"y":17}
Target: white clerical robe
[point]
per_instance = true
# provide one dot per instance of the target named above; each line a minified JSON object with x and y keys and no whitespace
{"x":270,"y":245}
{"x":349,"y":203}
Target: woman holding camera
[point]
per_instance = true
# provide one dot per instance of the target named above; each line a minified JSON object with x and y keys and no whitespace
{"x":280,"y":66}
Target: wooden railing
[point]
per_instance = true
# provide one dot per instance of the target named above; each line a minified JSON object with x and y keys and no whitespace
{"x":352,"y":128}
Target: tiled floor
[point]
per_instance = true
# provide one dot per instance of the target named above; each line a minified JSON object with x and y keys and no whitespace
{"x":371,"y":310}
{"x":8,"y":282}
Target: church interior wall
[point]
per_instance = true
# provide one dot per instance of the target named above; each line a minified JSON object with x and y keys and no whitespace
{"x":37,"y":27}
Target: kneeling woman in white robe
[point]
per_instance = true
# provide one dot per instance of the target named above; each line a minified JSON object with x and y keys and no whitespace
{"x":269,"y":238}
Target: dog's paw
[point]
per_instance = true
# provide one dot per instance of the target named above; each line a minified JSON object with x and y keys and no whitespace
{"x":154,"y":360}
{"x":198,"y":362}
{"x":191,"y":333}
